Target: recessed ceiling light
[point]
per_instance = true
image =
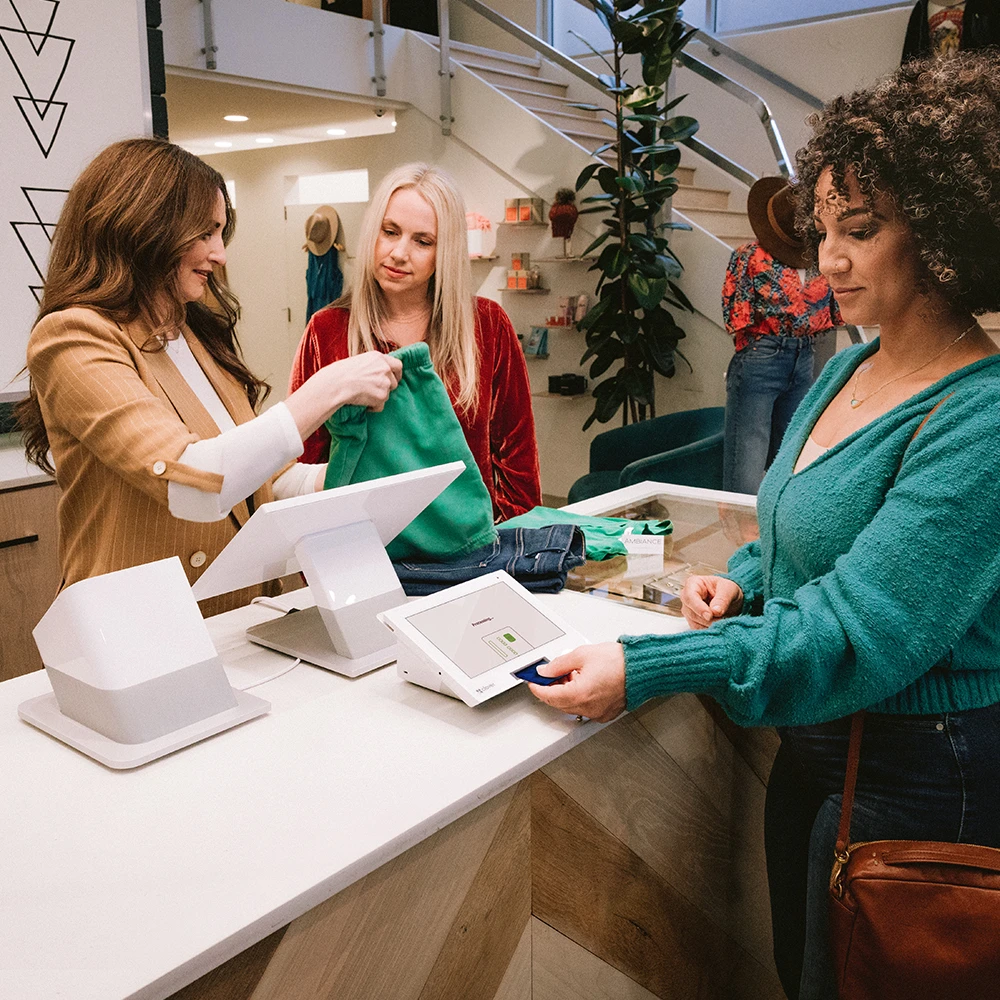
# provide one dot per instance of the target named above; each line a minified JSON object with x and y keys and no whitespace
{"x":264,"y":139}
{"x":223,"y":145}
{"x":235,"y":118}
{"x":336,"y":131}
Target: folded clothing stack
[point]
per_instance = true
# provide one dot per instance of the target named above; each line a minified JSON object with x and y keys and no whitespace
{"x":538,"y":558}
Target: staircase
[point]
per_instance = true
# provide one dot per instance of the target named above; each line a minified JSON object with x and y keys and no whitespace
{"x":521,"y":78}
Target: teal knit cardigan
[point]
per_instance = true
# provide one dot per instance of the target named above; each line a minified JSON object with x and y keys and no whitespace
{"x":876,"y":578}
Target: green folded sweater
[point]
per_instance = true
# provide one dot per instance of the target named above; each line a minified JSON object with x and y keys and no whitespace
{"x":878,"y":566}
{"x":416,"y":429}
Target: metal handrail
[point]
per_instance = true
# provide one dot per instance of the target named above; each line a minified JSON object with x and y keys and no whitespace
{"x":534,"y":42}
{"x":210,"y":47}
{"x":718,"y":48}
{"x":747,"y":96}
{"x":755,"y":101}
{"x":444,"y":69}
{"x":377,"y":35}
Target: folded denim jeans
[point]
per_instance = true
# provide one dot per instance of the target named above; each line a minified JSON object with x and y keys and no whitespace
{"x":538,"y":558}
{"x":603,"y":534}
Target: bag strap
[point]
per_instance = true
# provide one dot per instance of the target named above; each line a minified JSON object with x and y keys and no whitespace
{"x":850,"y":780}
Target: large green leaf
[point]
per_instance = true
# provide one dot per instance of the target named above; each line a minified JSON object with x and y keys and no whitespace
{"x":611,"y":351}
{"x":595,"y":313}
{"x":593,"y":246}
{"x":613,"y":261}
{"x":648,"y":292}
{"x":588,"y":171}
{"x":681,"y":127}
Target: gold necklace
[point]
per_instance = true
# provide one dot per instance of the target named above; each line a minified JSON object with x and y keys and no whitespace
{"x":855,"y":402}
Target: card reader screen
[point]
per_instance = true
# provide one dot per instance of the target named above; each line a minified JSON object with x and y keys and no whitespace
{"x":486,"y":629}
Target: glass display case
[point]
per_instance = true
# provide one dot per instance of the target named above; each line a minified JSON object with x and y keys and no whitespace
{"x":708,"y":526}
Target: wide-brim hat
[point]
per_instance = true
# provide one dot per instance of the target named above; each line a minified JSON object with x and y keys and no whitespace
{"x":322,"y":231}
{"x":771,"y":207}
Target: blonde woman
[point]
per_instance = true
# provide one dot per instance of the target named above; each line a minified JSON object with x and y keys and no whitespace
{"x":412,"y":282}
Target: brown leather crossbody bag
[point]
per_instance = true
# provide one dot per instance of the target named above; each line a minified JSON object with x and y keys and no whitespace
{"x":912,"y":918}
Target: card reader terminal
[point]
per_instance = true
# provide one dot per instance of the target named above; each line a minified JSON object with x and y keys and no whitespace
{"x":530,"y":674}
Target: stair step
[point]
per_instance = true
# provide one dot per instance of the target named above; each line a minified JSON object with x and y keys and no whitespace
{"x":722,"y":223}
{"x":588,"y":137}
{"x":574,"y":116}
{"x":461,"y":50}
{"x":698,"y":197}
{"x":525,"y":84}
{"x":685,"y":176}
{"x":551,"y":102}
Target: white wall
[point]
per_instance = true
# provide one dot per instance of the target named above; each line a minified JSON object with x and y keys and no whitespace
{"x":90,"y":107}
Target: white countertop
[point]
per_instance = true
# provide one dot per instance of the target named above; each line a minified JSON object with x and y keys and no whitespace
{"x":14,"y":467}
{"x":132,"y":884}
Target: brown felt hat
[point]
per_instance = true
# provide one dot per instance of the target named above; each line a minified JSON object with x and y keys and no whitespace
{"x":322,"y":228}
{"x":771,"y":208}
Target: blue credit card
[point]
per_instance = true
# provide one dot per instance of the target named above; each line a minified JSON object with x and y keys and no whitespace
{"x":531,"y":675}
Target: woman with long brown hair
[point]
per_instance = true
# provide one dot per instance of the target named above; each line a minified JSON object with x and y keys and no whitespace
{"x":138,"y":388}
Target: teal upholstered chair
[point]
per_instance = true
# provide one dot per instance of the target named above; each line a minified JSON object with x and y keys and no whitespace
{"x":683,"y":448}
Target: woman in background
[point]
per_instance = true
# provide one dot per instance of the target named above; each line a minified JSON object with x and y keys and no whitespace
{"x":139,"y":389}
{"x":412,"y":282}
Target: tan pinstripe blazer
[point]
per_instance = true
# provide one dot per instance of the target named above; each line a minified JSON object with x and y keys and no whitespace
{"x":118,"y":419}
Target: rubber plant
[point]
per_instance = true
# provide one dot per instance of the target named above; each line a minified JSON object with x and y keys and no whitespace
{"x":631,"y":321}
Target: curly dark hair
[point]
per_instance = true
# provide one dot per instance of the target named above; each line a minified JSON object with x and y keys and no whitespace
{"x":928,"y":138}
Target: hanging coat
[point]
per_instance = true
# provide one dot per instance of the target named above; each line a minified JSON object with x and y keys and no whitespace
{"x":324,"y":281}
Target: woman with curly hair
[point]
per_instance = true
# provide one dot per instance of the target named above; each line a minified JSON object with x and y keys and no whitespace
{"x":875,"y":583}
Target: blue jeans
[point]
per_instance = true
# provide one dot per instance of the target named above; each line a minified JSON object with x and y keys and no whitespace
{"x":920,"y":778}
{"x":538,"y":558}
{"x":765,"y":382}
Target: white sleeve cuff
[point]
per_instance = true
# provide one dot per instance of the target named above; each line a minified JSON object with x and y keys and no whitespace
{"x":245,"y":456}
{"x":299,"y":480}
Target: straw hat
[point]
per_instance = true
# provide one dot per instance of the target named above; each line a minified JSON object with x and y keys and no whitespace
{"x":771,"y":208}
{"x":322,"y":230}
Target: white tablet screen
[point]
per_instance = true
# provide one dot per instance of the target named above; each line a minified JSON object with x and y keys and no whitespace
{"x":483,"y":630}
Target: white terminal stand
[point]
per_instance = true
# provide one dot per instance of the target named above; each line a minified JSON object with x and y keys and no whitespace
{"x":133,"y":670}
{"x":477,"y":639}
{"x":337,"y":539}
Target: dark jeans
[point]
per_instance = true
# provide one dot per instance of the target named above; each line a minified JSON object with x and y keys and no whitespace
{"x":538,"y":558}
{"x":920,"y":778}
{"x":765,"y":382}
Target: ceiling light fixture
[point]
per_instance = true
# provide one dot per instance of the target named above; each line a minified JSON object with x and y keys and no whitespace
{"x":223,"y":145}
{"x":336,"y":131}
{"x":264,"y":139}
{"x":235,"y":118}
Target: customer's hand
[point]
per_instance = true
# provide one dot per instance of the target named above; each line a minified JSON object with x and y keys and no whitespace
{"x":706,"y":598}
{"x":595,"y":682}
{"x":362,"y":380}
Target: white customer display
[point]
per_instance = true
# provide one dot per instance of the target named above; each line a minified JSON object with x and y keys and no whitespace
{"x":472,"y":641}
{"x":337,"y":539}
{"x":134,"y":673}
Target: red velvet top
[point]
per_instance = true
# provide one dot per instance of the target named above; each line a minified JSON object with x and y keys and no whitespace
{"x":501,"y":433}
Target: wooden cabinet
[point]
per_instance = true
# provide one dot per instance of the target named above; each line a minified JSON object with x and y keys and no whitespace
{"x":29,"y":571}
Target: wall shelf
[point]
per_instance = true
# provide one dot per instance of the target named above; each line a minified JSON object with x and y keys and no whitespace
{"x":526,"y":291}
{"x":562,"y":260}
{"x":522,"y":225}
{"x":473,"y":260}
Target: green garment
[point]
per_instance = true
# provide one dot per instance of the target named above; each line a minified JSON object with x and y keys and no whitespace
{"x":602,"y":534}
{"x":876,"y":579}
{"x":416,"y":429}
